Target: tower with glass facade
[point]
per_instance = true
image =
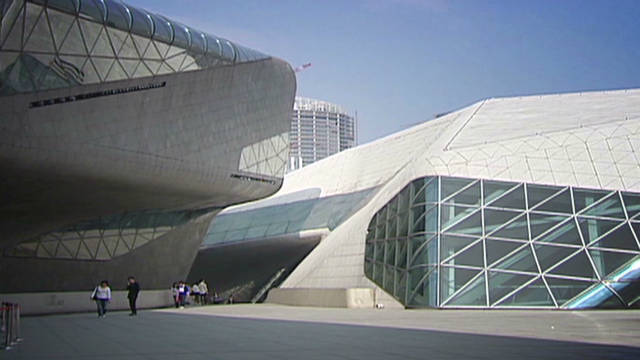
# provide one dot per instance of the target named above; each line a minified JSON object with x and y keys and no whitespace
{"x":319,"y":129}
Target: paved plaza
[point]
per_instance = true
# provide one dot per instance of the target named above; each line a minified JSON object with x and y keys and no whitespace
{"x":279,"y":332}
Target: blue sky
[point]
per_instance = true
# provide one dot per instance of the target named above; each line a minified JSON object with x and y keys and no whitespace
{"x":399,"y":62}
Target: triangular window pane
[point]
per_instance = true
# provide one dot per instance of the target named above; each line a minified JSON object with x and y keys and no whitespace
{"x":534,"y":294}
{"x":493,"y":219}
{"x":620,"y":238}
{"x":578,"y":266}
{"x":116,"y":73}
{"x":141,"y":43}
{"x":607,"y":262}
{"x":64,"y":252}
{"x":153,"y":65}
{"x":103,"y":253}
{"x":452,"y":279}
{"x":129,"y":66}
{"x":103,"y":66}
{"x":522,"y":260}
{"x":128,"y":50}
{"x":472,"y":256}
{"x":83,"y":253}
{"x":73,"y":43}
{"x":60,"y":24}
{"x":632,"y":203}
{"x":497,"y":249}
{"x":401,"y":256}
{"x":512,"y":200}
{"x":559,"y":203}
{"x":611,"y":302}
{"x":636,"y":228}
{"x":174,"y":50}
{"x":90,"y":74}
{"x":537,"y":193}
{"x":567,"y":233}
{"x":31,"y":17}
{"x":102,"y":47}
{"x":390,"y":253}
{"x":417,"y":274}
{"x":117,"y":38}
{"x":585,"y":198}
{"x":90,"y":33}
{"x":142,"y":71}
{"x":425,"y":294}
{"x":162,"y":48}
{"x":609,"y":207}
{"x":541,"y":223}
{"x":450,"y":214}
{"x":451,"y":244}
{"x":564,"y":289}
{"x":592,"y":229}
{"x":50,"y":246}
{"x":92,"y":245}
{"x":517,"y":229}
{"x":501,"y":284}
{"x":164,"y":69}
{"x":471,"y":225}
{"x":473,"y":294}
{"x":422,"y":255}
{"x":40,"y":38}
{"x":453,"y":185}
{"x":468,"y":196}
{"x":548,"y":256}
{"x":493,"y":189}
{"x":13,"y":41}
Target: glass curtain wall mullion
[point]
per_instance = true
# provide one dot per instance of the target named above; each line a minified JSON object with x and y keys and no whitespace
{"x":615,"y":293}
{"x":463,"y":288}
{"x":484,"y":244}
{"x":626,"y":216}
{"x":438,"y":245}
{"x":461,"y":190}
{"x":582,"y":238}
{"x":527,"y":283}
{"x":549,"y":198}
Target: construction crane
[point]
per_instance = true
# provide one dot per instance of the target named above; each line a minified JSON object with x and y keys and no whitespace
{"x":302,"y":67}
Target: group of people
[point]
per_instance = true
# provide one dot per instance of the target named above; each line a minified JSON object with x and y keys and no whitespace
{"x":102,"y":295}
{"x":182,"y":293}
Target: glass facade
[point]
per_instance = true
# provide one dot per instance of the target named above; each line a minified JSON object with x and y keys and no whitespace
{"x":63,"y":43}
{"x":287,"y":217}
{"x":104,"y":238}
{"x":450,"y":242}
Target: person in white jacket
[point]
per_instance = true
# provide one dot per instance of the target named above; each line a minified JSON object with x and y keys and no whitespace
{"x":102,"y":295}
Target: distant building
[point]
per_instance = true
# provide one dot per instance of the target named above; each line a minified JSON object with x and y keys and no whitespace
{"x":319,"y":129}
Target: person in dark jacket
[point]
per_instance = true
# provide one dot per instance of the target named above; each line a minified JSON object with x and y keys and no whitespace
{"x":133,"y":289}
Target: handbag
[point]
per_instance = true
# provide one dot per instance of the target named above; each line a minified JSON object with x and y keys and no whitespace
{"x":93,"y":295}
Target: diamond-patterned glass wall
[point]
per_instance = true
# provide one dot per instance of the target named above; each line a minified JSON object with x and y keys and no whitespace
{"x":266,"y":157}
{"x":102,"y":239}
{"x":461,"y":242}
{"x":61,"y":43}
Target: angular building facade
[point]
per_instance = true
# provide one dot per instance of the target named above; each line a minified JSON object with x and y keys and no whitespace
{"x":124,"y":133}
{"x":319,"y":129}
{"x":523,"y":202}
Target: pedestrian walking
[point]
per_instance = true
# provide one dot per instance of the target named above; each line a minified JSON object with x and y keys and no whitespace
{"x":195,"y":293}
{"x":102,"y":295}
{"x":133,"y":288}
{"x":204,"y":290}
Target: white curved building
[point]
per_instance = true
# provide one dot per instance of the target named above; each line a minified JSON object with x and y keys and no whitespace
{"x":514,"y":202}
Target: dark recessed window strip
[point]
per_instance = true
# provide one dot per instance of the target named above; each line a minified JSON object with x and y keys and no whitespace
{"x":253,"y":178}
{"x":95,"y":94}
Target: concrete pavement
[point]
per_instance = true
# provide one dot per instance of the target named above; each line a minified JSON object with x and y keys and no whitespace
{"x":279,"y":332}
